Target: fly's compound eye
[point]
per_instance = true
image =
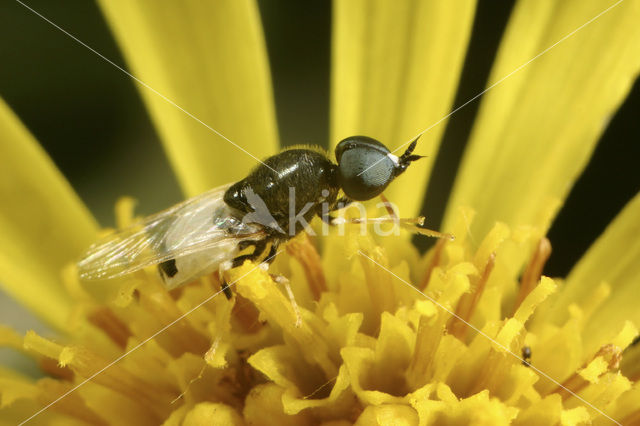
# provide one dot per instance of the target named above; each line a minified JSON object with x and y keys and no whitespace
{"x":366,"y":167}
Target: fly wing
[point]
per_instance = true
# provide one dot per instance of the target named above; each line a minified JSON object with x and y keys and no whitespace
{"x":198,"y":224}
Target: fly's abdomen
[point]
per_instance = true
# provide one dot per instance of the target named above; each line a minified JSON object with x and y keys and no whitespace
{"x":184,"y":269}
{"x":191,"y":265}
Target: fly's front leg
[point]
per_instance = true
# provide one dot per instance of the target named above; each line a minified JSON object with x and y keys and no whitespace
{"x":414,"y":224}
{"x":340,"y":204}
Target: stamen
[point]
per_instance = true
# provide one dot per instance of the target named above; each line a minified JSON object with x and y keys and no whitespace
{"x":468,"y":303}
{"x":306,"y":254}
{"x":610,"y":354}
{"x":72,"y":405}
{"x":85,"y":363}
{"x":247,"y":314}
{"x":630,"y":365}
{"x":381,"y":289}
{"x":105,"y":319}
{"x":184,"y":336}
{"x":429,"y":335}
{"x":435,"y":261}
{"x":632,"y":419}
{"x":492,"y":373}
{"x":52,"y":368}
{"x":533,"y":271}
{"x":388,"y":206}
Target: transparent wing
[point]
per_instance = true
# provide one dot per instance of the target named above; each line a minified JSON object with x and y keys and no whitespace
{"x":201,"y":223}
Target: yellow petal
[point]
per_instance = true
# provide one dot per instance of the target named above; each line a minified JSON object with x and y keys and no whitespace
{"x":545,"y":288}
{"x":612,"y":258}
{"x":537,"y":129}
{"x":339,"y":402}
{"x":42,"y":222}
{"x":625,"y":408}
{"x":209,"y":58}
{"x":388,"y":414}
{"x":14,"y":387}
{"x":546,"y":411}
{"x":263,"y":406}
{"x":395,"y":71}
{"x":213,"y":414}
{"x":256,"y":285}
{"x":478,"y":409}
{"x":575,"y":417}
{"x":610,"y":387}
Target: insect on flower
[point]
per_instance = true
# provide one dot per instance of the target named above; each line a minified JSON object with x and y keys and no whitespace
{"x":271,"y":205}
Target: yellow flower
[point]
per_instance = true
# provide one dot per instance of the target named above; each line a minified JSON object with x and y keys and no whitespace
{"x":387,"y":336}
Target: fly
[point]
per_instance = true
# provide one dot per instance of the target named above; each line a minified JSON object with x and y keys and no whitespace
{"x":210,"y":231}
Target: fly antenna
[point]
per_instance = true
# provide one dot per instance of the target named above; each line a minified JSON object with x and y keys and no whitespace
{"x":408,"y":157}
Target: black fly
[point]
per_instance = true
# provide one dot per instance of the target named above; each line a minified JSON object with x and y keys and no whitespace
{"x":271,"y":205}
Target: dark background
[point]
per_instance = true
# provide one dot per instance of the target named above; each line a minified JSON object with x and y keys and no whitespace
{"x":89,"y":118}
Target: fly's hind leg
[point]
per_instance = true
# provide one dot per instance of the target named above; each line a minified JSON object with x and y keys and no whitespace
{"x":223,"y":282}
{"x":271,"y":256}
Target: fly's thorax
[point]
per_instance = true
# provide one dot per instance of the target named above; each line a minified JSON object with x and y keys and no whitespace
{"x":287,"y":191}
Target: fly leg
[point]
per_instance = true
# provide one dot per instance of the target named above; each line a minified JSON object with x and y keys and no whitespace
{"x":223,"y":282}
{"x":271,"y":256}
{"x":414,"y":225}
{"x":259,"y":246}
{"x":281,"y":279}
{"x":340,"y":204}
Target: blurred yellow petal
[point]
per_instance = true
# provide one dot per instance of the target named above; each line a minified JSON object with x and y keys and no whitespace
{"x":613,"y":258}
{"x":478,"y":409}
{"x":625,"y":409}
{"x":212,"y":414}
{"x":395,"y":71}
{"x":209,"y":58}
{"x":575,"y":417}
{"x":14,"y":387}
{"x":151,"y":399}
{"x":536,"y":130}
{"x":42,"y":222}
{"x":20,"y":397}
{"x":377,"y":375}
{"x":263,"y":406}
{"x":388,"y":414}
{"x":546,"y":411}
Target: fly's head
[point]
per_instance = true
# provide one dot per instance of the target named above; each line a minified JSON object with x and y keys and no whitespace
{"x":366,"y":167}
